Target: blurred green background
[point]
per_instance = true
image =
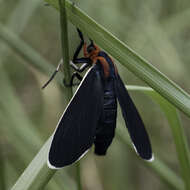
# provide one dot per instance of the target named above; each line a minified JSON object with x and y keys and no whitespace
{"x":157,"y":30}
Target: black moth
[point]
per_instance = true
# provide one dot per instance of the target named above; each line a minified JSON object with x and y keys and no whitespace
{"x":90,"y":117}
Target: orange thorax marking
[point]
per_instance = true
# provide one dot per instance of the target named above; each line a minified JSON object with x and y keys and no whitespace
{"x":104,"y":64}
{"x":94,"y":57}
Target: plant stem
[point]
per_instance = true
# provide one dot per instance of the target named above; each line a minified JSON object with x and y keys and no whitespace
{"x":65,"y":47}
{"x":65,"y":53}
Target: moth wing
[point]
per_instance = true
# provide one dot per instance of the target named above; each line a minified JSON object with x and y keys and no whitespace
{"x":76,"y":128}
{"x":133,"y":121}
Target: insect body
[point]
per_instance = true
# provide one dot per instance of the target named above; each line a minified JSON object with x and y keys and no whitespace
{"x":105,"y":129}
{"x":90,"y":117}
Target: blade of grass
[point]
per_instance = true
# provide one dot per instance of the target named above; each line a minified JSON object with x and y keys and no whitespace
{"x":67,"y":75}
{"x":180,"y":140}
{"x":65,"y":47}
{"x":127,"y":57}
{"x":33,"y":177}
{"x":178,"y":135}
{"x":37,"y":175}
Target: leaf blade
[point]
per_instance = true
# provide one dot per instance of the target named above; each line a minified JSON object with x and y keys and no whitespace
{"x":127,"y":57}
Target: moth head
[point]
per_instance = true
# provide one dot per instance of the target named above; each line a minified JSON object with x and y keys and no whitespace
{"x":91,"y":47}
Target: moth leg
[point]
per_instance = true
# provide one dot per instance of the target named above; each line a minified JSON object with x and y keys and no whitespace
{"x":71,"y":83}
{"x":75,"y":75}
{"x":77,"y":60}
{"x":81,"y":68}
{"x":79,"y":46}
{"x":86,"y":62}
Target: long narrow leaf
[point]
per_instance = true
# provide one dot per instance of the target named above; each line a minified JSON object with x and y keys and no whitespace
{"x":178,"y":135}
{"x":37,"y":174}
{"x":127,"y":57}
{"x":177,"y":131}
{"x":65,"y":47}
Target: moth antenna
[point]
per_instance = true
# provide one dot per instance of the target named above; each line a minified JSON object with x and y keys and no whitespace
{"x":53,"y":75}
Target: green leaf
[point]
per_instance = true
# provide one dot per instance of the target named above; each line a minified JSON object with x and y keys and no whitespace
{"x":37,"y":174}
{"x":127,"y":57}
{"x":178,"y":134}
{"x":180,"y":140}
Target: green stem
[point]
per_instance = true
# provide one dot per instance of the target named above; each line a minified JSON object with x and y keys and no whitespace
{"x":65,"y":52}
{"x":65,"y":47}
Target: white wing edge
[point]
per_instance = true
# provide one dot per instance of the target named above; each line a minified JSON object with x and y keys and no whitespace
{"x":48,"y":162}
{"x":57,"y":168}
{"x":149,"y":160}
